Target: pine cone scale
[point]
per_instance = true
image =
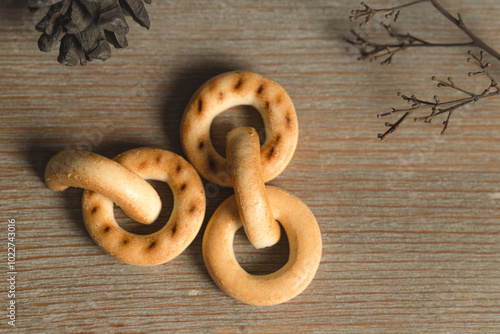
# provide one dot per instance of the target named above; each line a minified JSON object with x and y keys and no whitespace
{"x":46,"y":42}
{"x":79,"y":19}
{"x":112,"y":19}
{"x":71,"y":52}
{"x":138,"y":12}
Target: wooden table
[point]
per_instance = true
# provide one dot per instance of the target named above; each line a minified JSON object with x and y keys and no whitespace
{"x":410,"y":225}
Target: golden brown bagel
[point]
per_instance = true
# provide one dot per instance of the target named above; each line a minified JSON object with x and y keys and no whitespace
{"x":232,"y":89}
{"x":180,"y":230}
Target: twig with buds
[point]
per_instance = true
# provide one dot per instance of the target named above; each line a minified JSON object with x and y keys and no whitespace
{"x":447,"y":108}
{"x":369,"y":13}
{"x":385,"y":52}
{"x":371,"y":50}
{"x":375,"y":51}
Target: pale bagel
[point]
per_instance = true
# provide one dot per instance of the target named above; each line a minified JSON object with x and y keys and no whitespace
{"x":243,"y":156}
{"x":83,"y":169}
{"x":304,"y":239}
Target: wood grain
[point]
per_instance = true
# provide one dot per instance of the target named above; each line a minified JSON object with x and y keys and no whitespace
{"x":410,"y":225}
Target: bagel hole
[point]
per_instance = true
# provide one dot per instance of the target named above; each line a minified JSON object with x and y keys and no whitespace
{"x":234,"y":117}
{"x":260,"y":261}
{"x":167,"y":201}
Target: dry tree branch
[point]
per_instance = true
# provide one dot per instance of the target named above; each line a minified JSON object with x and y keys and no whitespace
{"x":461,"y":25}
{"x":370,"y":50}
{"x":369,"y":13}
{"x":373,"y":51}
{"x":447,"y":108}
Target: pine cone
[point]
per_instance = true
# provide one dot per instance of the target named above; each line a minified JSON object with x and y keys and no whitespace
{"x":86,"y":27}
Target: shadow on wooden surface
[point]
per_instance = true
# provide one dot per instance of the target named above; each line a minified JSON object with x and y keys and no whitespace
{"x":184,"y":84}
{"x":21,"y":5}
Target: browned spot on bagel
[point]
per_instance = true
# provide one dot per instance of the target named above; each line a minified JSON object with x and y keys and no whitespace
{"x":106,"y":229}
{"x":270,"y":153}
{"x":174,"y":229}
{"x":95,"y":209}
{"x":152,"y":245}
{"x":279,"y":99}
{"x":125,"y":241}
{"x":260,"y":89}
{"x":158,"y":158}
{"x":143,"y":165}
{"x":288,"y":120}
{"x":267,"y":105}
{"x":277,"y":139}
{"x":192,"y":208}
{"x":200,"y":105}
{"x":212,"y":85}
{"x":90,"y":193}
{"x":201,"y":145}
{"x":221,"y":96}
{"x":183,"y":186}
{"x":211,"y":163}
{"x":238,"y":84}
{"x":178,"y":169}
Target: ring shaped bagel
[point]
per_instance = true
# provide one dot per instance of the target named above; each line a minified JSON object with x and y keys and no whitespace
{"x":180,"y":230}
{"x":243,"y":156}
{"x":232,"y":89}
{"x":305,"y":252}
{"x":83,"y":169}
